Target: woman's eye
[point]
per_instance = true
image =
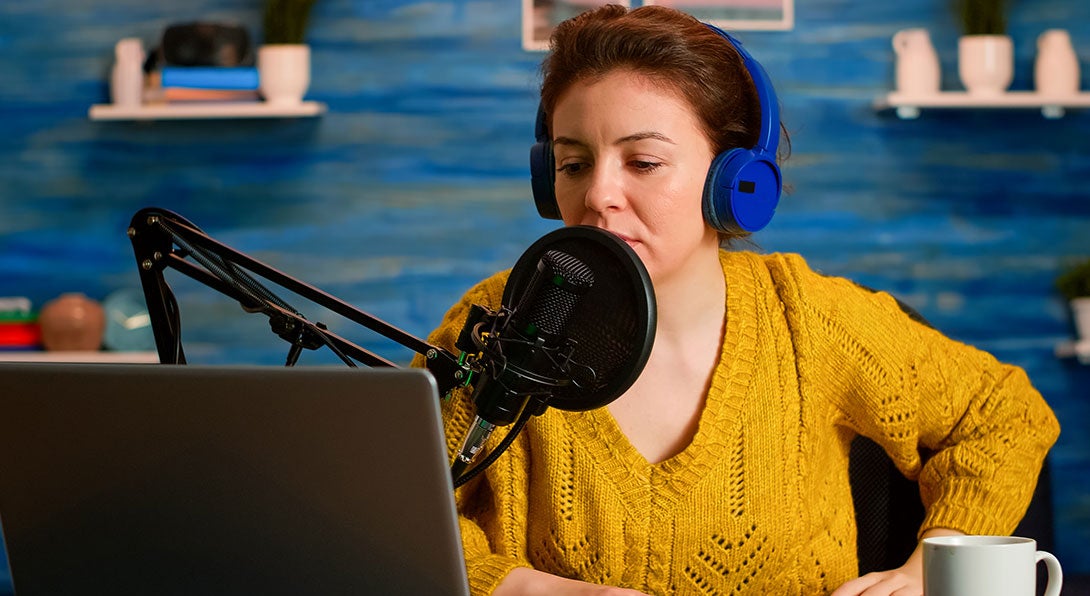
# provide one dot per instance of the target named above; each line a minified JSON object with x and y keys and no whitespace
{"x":645,"y":166}
{"x":571,"y":169}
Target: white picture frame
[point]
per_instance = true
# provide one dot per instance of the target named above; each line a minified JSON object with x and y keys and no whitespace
{"x":540,"y":17}
{"x":738,"y":15}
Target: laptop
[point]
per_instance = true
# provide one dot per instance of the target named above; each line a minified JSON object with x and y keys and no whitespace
{"x":149,"y":479}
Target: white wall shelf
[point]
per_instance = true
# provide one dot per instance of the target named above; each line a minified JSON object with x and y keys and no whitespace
{"x":1080,"y":350}
{"x":206,"y":110}
{"x":86,"y":357}
{"x":908,"y":106}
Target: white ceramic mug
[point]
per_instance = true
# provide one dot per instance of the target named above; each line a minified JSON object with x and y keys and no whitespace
{"x":986,"y":566}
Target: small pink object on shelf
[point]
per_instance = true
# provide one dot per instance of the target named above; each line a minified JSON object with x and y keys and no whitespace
{"x":72,"y":322}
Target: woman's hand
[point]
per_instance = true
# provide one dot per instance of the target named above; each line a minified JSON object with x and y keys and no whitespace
{"x":523,"y":581}
{"x":906,"y":580}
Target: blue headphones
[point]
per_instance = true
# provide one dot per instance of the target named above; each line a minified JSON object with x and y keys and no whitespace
{"x":743,"y":185}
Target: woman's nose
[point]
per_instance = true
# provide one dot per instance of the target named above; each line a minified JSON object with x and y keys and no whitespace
{"x":605,"y":191}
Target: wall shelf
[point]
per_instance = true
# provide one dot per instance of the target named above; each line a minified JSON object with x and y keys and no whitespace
{"x":908,"y":106}
{"x":1080,"y":350}
{"x":87,"y":357}
{"x":206,"y":110}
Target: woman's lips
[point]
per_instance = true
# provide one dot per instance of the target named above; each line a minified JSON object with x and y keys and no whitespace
{"x":629,"y":241}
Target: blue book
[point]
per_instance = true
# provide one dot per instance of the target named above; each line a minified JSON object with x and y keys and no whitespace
{"x":210,"y":77}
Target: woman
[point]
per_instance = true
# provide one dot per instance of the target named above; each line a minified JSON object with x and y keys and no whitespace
{"x":724,"y":469}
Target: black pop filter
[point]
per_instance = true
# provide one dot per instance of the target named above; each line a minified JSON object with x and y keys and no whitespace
{"x":613,"y":326}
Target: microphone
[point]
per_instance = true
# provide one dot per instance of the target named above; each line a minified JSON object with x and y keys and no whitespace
{"x":529,"y":355}
{"x":574,"y":331}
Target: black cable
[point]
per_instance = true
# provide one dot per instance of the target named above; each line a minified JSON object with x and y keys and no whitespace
{"x":509,"y":438}
{"x":238,"y":278}
{"x":229,"y":273}
{"x":174,"y":320}
{"x":320,"y":331}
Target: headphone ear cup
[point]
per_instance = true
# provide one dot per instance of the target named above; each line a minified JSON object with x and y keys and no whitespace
{"x":741,"y":191}
{"x":542,"y":179}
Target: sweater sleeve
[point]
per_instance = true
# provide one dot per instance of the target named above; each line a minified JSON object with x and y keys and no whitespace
{"x":972,"y":430}
{"x":490,"y":540}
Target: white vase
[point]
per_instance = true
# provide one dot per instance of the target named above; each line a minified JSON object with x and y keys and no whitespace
{"x":986,"y":63}
{"x":1056,"y":68}
{"x":917,"y":69}
{"x":1080,"y":311}
{"x":283,"y":72}
{"x":127,"y":74}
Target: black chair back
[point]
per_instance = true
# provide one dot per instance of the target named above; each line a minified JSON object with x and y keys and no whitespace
{"x":888,"y":510}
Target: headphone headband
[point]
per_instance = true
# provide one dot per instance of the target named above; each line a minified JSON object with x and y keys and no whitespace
{"x":769,"y":138}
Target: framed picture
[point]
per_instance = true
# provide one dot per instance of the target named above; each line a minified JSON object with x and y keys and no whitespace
{"x":540,"y":17}
{"x":736,"y":15}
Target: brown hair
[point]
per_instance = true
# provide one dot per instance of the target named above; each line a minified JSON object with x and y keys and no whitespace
{"x":669,"y":47}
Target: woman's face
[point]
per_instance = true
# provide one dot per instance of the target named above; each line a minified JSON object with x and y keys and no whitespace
{"x":631,"y":158}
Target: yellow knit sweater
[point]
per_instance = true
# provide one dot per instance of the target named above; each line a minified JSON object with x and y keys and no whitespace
{"x":759,"y":502}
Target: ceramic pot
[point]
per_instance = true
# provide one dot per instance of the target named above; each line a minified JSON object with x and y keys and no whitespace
{"x":1080,"y":312}
{"x":283,"y":72}
{"x":1056,"y":68}
{"x":917,"y":67}
{"x":986,"y":63}
{"x":72,"y":322}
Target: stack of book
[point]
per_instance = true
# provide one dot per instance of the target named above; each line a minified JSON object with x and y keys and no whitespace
{"x":204,"y":83}
{"x":19,"y":328}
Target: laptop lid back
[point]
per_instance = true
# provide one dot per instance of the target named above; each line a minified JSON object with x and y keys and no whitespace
{"x":156,"y":479}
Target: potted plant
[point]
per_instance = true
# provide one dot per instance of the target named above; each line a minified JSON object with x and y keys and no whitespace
{"x":283,"y":60}
{"x":1073,"y":283}
{"x":985,"y":51}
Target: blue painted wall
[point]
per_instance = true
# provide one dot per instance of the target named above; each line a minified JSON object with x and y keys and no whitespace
{"x":415,"y":185}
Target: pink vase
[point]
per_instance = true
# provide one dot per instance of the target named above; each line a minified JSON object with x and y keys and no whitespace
{"x":72,"y":322}
{"x":1056,"y":67}
{"x":917,"y":68}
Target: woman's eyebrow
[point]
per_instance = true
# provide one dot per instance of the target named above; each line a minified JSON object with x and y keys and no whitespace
{"x":639,"y":136}
{"x":568,"y":141}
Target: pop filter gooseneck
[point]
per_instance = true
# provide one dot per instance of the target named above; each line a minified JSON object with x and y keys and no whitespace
{"x":581,"y":336}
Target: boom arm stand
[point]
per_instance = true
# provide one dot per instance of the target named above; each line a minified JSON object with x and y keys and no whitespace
{"x":163,"y":239}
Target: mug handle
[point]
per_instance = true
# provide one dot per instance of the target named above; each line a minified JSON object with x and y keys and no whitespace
{"x":1055,"y":573}
{"x":898,"y":40}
